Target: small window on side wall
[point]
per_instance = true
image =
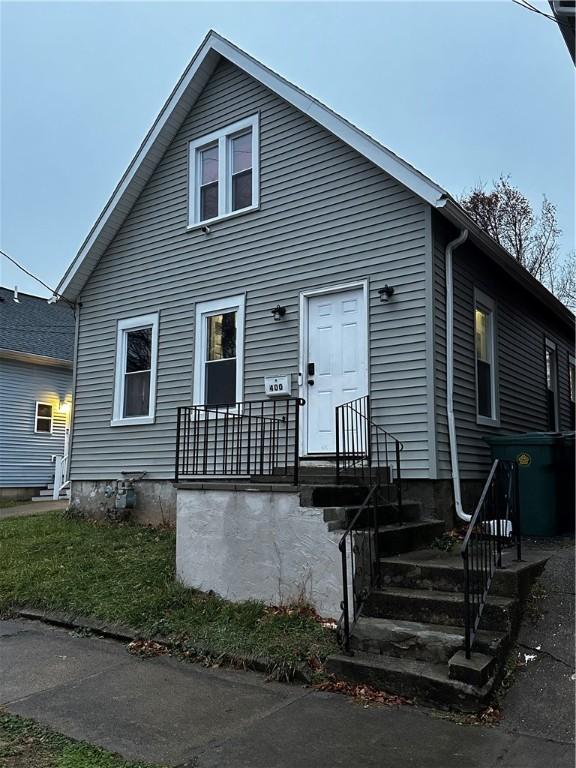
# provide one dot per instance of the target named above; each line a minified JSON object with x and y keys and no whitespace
{"x":485,"y":354}
{"x":43,"y":423}
{"x":135,"y":379}
{"x":552,"y":384}
{"x":224,"y":172}
{"x":218,"y":360}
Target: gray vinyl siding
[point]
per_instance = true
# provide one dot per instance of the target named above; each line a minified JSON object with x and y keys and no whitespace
{"x":25,"y":456}
{"x":327,"y":216}
{"x":522,"y":325}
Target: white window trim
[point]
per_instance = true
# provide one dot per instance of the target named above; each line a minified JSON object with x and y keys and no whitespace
{"x":45,"y":418}
{"x":571,"y":362}
{"x":224,"y":172}
{"x":551,"y":345}
{"x":133,"y":323}
{"x":203,"y":310}
{"x":483,"y":301}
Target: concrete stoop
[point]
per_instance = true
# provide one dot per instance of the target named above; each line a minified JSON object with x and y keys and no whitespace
{"x":409,"y":638}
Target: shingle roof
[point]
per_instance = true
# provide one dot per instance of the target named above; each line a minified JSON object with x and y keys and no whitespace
{"x":35,"y":327}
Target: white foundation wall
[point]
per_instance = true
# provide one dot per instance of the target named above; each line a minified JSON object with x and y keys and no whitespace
{"x":257,"y":545}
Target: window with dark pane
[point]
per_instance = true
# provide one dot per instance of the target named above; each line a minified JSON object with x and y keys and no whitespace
{"x":137,"y":372}
{"x":209,"y":183}
{"x":483,"y":330}
{"x":241,"y":151}
{"x":220,"y":364}
{"x":552,"y":387}
{"x":43,"y":417}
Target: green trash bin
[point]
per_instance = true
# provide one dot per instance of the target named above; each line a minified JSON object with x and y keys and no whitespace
{"x":566,"y":483}
{"x":536,"y":454}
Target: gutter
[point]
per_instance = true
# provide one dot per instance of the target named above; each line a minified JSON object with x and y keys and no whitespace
{"x":450,"y":248}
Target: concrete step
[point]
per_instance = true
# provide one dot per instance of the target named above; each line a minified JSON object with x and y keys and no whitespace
{"x":423,"y":681}
{"x":46,"y":492}
{"x":405,"y":537}
{"x":435,"y":607}
{"x":339,"y":517}
{"x":416,"y":640}
{"x":444,"y":571}
{"x":331,"y":495}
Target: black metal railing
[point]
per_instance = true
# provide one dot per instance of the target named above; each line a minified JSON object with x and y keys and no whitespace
{"x":495,"y":525}
{"x":360,"y":570}
{"x":366,"y":453}
{"x":255,"y":438}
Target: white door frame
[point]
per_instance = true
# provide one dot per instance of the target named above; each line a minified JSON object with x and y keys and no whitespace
{"x":303,"y":347}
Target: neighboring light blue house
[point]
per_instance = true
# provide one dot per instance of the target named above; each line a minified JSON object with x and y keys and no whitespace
{"x":36,"y":351}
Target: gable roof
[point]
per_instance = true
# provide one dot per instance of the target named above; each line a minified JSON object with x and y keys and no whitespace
{"x":31,"y":327}
{"x":172,"y":115}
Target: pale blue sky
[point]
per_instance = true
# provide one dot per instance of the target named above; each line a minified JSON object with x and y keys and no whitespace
{"x":462,"y":90}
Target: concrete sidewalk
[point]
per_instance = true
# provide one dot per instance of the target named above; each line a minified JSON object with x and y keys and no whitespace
{"x":29,"y":508}
{"x":182,"y":714}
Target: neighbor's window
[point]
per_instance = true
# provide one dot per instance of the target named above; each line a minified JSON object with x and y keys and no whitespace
{"x":218,"y":359}
{"x":224,"y":172}
{"x":572,"y":390}
{"x":136,"y":356}
{"x":484,"y":332}
{"x":43,"y":418}
{"x":552,"y":384}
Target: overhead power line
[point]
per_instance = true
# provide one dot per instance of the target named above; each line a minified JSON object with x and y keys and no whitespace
{"x":35,"y":277}
{"x":530,"y":7}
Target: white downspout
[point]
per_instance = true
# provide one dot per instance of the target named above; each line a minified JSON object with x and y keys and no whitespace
{"x":450,"y":248}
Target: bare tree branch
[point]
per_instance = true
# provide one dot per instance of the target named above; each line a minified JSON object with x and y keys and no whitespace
{"x":532,"y":239}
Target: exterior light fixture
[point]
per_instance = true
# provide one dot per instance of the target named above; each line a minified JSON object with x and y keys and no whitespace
{"x":278,"y":312}
{"x":386,"y":293}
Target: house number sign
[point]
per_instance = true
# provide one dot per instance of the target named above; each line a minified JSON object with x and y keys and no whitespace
{"x":277,"y":386}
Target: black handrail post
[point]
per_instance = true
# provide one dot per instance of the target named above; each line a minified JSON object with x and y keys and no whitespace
{"x":398,"y":476}
{"x":177,"y":472}
{"x":297,"y":405}
{"x":516,"y":509}
{"x":345,"y":606}
{"x":337,"y":444}
{"x":466,"y":603}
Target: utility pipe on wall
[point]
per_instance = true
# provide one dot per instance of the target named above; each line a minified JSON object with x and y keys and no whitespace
{"x":450,"y":248}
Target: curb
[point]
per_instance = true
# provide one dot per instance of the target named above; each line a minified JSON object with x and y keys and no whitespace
{"x":127,"y":634}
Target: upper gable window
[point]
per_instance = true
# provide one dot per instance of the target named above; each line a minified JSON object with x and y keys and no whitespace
{"x":224,"y":173}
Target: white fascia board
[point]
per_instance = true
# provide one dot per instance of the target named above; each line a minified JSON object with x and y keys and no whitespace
{"x":140,"y":159}
{"x":29,"y":357}
{"x":339,"y":126}
{"x":187,"y":89}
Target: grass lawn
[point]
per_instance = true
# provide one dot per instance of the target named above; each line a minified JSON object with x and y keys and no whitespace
{"x":125,"y":574}
{"x":23,"y":744}
{"x":7,"y":503}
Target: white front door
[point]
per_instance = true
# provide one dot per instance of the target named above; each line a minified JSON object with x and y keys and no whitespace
{"x":335,"y":364}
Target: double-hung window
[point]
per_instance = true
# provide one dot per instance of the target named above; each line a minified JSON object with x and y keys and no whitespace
{"x":485,"y":352}
{"x":551,"y":384}
{"x":218,"y":362}
{"x":224,"y":172}
{"x":43,"y":419}
{"x":135,"y":380}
